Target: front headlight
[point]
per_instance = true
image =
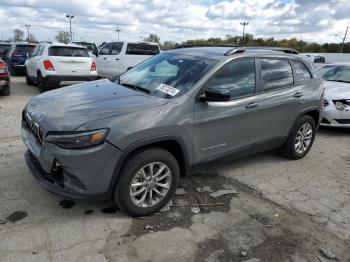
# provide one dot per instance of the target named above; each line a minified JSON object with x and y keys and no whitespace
{"x":75,"y":140}
{"x":340,"y":105}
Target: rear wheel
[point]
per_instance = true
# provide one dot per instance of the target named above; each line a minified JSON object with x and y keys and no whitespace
{"x":6,"y":92}
{"x":41,"y":83}
{"x":300,"y":139}
{"x":147,"y":182}
{"x":29,"y":82}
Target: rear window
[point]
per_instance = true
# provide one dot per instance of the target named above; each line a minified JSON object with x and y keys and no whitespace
{"x":141,"y":49}
{"x":89,"y":46}
{"x":4,"y":48}
{"x":68,"y":51}
{"x":276,"y":73}
{"x":24,"y":49}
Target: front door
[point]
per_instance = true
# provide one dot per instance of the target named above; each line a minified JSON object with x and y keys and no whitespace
{"x":231,"y":126}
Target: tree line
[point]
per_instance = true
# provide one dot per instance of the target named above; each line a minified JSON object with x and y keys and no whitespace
{"x":247,"y":40}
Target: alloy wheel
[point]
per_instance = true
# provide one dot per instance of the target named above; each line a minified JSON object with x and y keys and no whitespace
{"x":303,"y":138}
{"x":150,"y":184}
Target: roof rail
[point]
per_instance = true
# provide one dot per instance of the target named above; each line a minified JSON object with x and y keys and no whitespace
{"x":277,"y":49}
{"x":202,"y":45}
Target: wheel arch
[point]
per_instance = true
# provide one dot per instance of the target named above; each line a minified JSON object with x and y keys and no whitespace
{"x":173,"y":144}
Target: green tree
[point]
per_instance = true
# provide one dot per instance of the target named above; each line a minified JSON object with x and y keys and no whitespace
{"x":152,"y":38}
{"x":62,"y":37}
{"x":168,"y":45}
{"x":18,"y":35}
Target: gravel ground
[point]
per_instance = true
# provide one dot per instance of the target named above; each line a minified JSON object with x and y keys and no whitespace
{"x":283,"y":211}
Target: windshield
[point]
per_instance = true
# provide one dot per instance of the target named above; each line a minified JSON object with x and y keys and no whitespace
{"x":24,"y":49}
{"x":167,"y":75}
{"x":4,"y":48}
{"x":335,"y":73}
{"x":89,"y":46}
{"x":68,"y":51}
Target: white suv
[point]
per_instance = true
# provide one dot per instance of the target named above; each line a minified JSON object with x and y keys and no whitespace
{"x":117,"y":57}
{"x":52,"y":65}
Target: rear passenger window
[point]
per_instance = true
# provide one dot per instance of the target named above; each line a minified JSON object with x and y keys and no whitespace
{"x":142,"y":49}
{"x":106,"y":50}
{"x":237,"y":77}
{"x":276,"y":73}
{"x":40,"y":50}
{"x":302,"y":73}
{"x":117,"y":47}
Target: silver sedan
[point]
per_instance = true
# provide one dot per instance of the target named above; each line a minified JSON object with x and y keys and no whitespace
{"x":337,"y":95}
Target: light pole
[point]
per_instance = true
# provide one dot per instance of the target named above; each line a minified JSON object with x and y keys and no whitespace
{"x":70,"y":26}
{"x":118,"y":31}
{"x":27,"y":26}
{"x":244,"y":24}
{"x":342,"y":45}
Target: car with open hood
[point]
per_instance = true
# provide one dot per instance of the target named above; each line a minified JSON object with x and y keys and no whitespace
{"x":337,"y":95}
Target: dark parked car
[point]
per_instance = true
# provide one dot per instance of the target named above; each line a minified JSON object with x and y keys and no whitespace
{"x":17,"y":56}
{"x":4,"y":49}
{"x":131,"y":138}
{"x":5,"y":83}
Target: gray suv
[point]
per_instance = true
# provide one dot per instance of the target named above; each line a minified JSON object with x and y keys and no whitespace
{"x":131,"y":138}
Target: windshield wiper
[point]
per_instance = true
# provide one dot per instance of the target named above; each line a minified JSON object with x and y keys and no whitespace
{"x":135,"y":87}
{"x":342,"y":81}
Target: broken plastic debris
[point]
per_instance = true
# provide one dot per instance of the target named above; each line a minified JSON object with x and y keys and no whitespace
{"x":327,"y":253}
{"x":180,"y":191}
{"x":195,"y":210}
{"x":204,"y":189}
{"x":223,"y":192}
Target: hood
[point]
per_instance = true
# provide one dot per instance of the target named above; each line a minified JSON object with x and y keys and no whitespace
{"x":337,"y":90}
{"x":67,"y":108}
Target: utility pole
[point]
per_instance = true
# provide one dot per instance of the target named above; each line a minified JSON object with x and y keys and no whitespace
{"x":342,"y":46}
{"x":27,"y":26}
{"x":118,"y":31}
{"x":244,"y":24}
{"x":70,"y":26}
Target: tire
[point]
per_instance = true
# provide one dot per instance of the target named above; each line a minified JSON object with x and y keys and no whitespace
{"x":131,"y":175}
{"x":294,"y":150}
{"x":41,"y":83}
{"x":6,"y":92}
{"x":29,"y":82}
{"x":12,"y":71}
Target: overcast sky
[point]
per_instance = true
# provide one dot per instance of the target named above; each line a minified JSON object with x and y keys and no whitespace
{"x":178,"y":20}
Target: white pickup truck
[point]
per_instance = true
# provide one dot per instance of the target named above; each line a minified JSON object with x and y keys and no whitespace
{"x":115,"y":58}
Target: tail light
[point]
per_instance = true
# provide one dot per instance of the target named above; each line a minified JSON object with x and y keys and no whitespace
{"x":48,"y":65}
{"x":93,"y":66}
{"x":2,"y":67}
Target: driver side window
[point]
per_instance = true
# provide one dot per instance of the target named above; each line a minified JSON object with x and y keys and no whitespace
{"x":237,"y":77}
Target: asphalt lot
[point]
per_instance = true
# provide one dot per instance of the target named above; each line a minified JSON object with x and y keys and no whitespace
{"x":284,"y":210}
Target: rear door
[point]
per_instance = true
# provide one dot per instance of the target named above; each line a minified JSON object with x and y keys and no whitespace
{"x":102,"y":59}
{"x":280,"y":98}
{"x":69,"y":60}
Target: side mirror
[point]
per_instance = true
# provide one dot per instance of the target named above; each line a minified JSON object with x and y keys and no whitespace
{"x":216,"y":95}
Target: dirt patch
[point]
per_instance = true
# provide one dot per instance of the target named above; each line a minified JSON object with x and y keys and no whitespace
{"x":16,"y":216}
{"x":67,"y":203}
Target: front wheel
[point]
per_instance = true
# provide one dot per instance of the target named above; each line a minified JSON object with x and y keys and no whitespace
{"x":147,"y":182}
{"x":300,"y":139}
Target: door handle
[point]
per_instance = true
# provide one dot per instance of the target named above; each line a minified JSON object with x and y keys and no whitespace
{"x":251,"y":105}
{"x":117,"y":59}
{"x":104,"y":58}
{"x":298,"y":94}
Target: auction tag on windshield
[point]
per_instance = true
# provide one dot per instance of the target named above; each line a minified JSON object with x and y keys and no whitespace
{"x":168,"y":89}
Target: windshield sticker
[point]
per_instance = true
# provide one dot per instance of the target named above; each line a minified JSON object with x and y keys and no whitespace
{"x":168,"y":89}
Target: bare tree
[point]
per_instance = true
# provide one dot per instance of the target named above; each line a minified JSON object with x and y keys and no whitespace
{"x":18,"y":35}
{"x":62,"y":37}
{"x":31,"y":39}
{"x":152,"y":38}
